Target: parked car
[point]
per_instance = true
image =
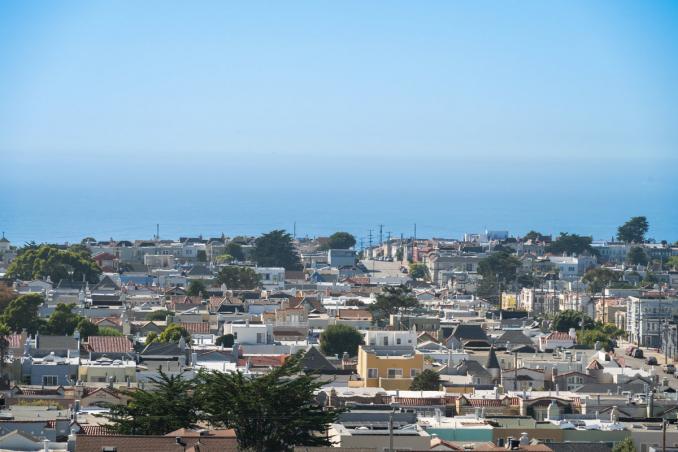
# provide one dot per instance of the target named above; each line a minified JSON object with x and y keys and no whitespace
{"x":670,"y":369}
{"x":638,"y":353}
{"x":651,"y":360}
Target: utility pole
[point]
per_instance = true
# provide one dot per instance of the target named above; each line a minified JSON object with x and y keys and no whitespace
{"x":381,"y":234}
{"x":294,"y":234}
{"x":157,"y":231}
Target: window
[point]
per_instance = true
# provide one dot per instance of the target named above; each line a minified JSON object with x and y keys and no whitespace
{"x":395,"y":373}
{"x":260,"y":338}
{"x":413,"y":372}
{"x":50,"y":380}
{"x":398,"y":341}
{"x":372,"y":373}
{"x":386,"y":341}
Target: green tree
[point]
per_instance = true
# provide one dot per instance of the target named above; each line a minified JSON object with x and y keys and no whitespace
{"x":226,"y":340}
{"x":399,"y":254}
{"x":392,"y":300}
{"x":234,"y":249}
{"x":7,"y":294}
{"x":339,"y":241}
{"x":63,"y":321}
{"x":533,"y":235}
{"x":599,"y":278}
{"x":604,"y":334}
{"x":22,"y":313}
{"x":276,"y":249}
{"x":196,"y":288}
{"x":625,"y":445}
{"x":672,"y":262}
{"x":337,"y":339}
{"x":58,"y":264}
{"x":570,"y":244}
{"x":572,"y":319}
{"x":239,"y":278}
{"x":633,"y":231}
{"x":201,"y":256}
{"x":274,"y":411}
{"x":488,"y":289}
{"x":151,"y":337}
{"x":168,"y":406}
{"x":637,"y":256}
{"x":418,"y":271}
{"x":87,"y":329}
{"x":428,"y":380}
{"x":173,"y":332}
{"x":500,"y":265}
{"x":107,"y":331}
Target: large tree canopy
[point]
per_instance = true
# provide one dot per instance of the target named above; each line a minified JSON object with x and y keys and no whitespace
{"x":570,"y":244}
{"x":572,"y":319}
{"x":234,"y":250}
{"x":337,"y":339}
{"x":47,"y":260}
{"x":599,"y":278}
{"x":169,"y":406}
{"x":392,"y":300}
{"x":633,"y":231}
{"x":275,"y":411}
{"x":499,"y":265}
{"x":239,"y":278}
{"x":22,"y":313}
{"x":340,"y":240}
{"x":637,"y":256}
{"x":276,"y":249}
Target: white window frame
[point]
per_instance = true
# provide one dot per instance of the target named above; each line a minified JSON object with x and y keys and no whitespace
{"x":55,"y":377}
{"x":396,"y":371}
{"x":373,"y":372}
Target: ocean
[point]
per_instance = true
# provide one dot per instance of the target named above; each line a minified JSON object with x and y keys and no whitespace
{"x":66,"y":201}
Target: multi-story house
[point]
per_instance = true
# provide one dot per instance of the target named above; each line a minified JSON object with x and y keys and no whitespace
{"x":645,"y":318}
{"x":572,"y":267}
{"x":391,"y":367}
{"x":386,"y":338}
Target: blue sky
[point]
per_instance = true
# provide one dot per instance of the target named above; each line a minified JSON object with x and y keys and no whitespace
{"x":315,"y":91}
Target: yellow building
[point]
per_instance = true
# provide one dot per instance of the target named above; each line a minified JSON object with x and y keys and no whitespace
{"x":509,"y":301}
{"x":387,"y":367}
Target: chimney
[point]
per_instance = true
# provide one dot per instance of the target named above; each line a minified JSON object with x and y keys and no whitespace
{"x":524,"y":440}
{"x":45,"y":445}
{"x":557,"y":391}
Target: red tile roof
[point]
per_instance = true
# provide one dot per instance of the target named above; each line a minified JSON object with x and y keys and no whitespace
{"x":559,"y":335}
{"x":98,"y":430}
{"x":263,"y":361}
{"x":109,"y":344}
{"x":355,"y":314}
{"x":196,"y":327}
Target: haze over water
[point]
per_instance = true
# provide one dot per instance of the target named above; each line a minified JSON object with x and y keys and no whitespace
{"x":239,"y":119}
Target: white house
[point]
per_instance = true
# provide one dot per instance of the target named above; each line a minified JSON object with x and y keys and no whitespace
{"x":385,"y":338}
{"x":272,"y":278}
{"x":250,"y":333}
